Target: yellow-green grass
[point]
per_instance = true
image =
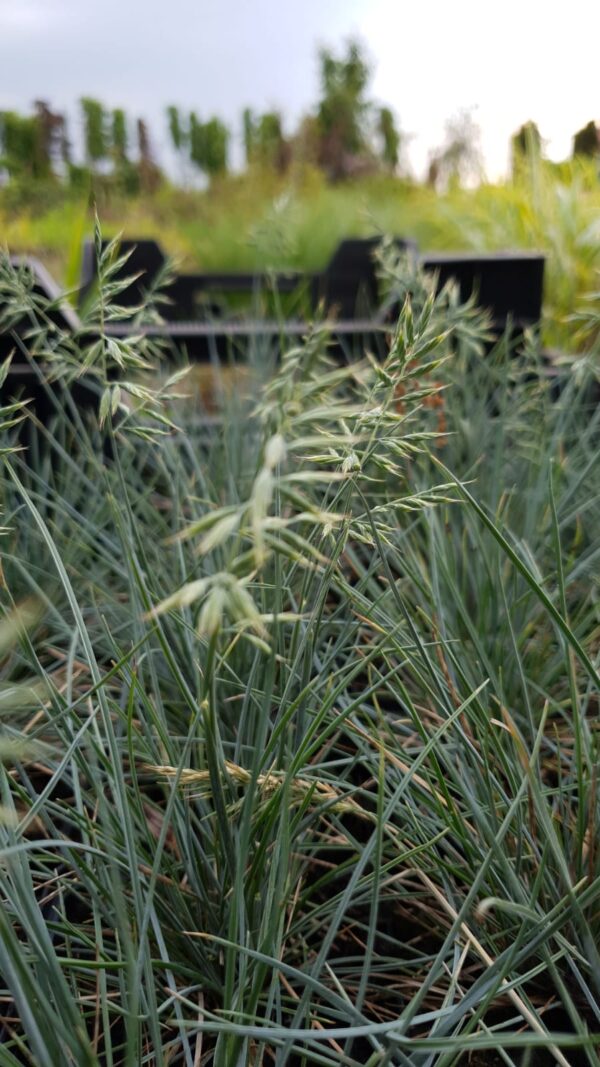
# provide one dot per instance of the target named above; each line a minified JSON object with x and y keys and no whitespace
{"x":258,"y":220}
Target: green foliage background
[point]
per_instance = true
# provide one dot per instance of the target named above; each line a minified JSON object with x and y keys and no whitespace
{"x":260,"y":219}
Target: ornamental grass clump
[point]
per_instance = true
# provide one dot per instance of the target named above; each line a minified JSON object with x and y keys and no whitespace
{"x":304,"y":756}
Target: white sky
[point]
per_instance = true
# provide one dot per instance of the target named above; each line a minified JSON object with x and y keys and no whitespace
{"x":509,"y":61}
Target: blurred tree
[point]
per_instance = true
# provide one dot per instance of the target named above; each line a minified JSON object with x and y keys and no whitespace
{"x":216,"y":141}
{"x":342,"y":110}
{"x":305,"y":144}
{"x":126,"y":176}
{"x":249,"y":134}
{"x":176,"y":130}
{"x":458,"y":160}
{"x":149,"y":173}
{"x":65,"y":144}
{"x":196,"y":141}
{"x":208,"y":145}
{"x":119,"y":136}
{"x":18,"y":135}
{"x":273,"y":147}
{"x":586,"y":142}
{"x":527,"y":138}
{"x":526,"y":145}
{"x":49,"y":141}
{"x":264,"y":142}
{"x":390,"y":136}
{"x":94,"y":131}
{"x":33,"y":146}
{"x":179,"y":138}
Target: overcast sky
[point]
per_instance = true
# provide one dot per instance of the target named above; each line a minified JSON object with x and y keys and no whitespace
{"x":508,"y":60}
